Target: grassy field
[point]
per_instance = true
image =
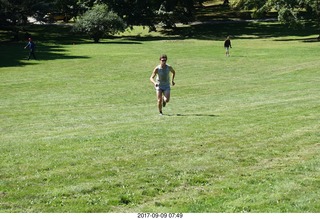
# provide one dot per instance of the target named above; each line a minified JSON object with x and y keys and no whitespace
{"x":80,"y":130}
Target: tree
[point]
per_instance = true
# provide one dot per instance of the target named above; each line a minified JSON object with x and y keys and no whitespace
{"x":14,"y":13}
{"x":145,"y":12}
{"x":99,"y":22}
{"x":290,"y":12}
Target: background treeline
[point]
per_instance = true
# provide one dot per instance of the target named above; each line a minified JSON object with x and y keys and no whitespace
{"x":149,"y":13}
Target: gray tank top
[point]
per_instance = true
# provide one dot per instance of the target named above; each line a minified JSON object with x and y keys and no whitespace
{"x":163,"y":77}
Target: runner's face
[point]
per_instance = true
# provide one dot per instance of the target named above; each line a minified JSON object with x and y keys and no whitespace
{"x":163,"y":61}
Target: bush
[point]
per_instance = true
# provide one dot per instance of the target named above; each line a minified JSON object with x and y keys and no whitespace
{"x":99,"y":22}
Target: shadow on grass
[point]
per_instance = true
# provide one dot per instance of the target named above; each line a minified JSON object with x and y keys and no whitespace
{"x":215,"y":22}
{"x":14,"y":54}
{"x":218,"y":30}
{"x":60,"y":34}
{"x":212,"y":30}
{"x":134,"y":41}
{"x":191,"y":115}
{"x":49,"y":40}
{"x":305,"y":40}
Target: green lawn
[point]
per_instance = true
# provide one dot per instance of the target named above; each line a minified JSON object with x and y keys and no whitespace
{"x":80,"y":130}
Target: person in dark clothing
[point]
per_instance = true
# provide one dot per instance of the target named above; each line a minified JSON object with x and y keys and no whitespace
{"x":31,"y":45}
{"x":227,"y":45}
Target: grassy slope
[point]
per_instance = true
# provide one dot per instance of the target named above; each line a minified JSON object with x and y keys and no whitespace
{"x":80,"y":130}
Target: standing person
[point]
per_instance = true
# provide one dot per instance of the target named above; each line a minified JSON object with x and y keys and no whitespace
{"x":162,"y":82}
{"x":32,"y":47}
{"x":227,"y":45}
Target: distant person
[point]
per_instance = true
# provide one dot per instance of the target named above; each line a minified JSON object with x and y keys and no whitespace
{"x":32,"y":46}
{"x":226,"y":2}
{"x":227,"y":46}
{"x":162,"y":82}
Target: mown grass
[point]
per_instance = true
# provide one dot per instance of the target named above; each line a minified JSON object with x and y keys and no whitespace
{"x":80,"y":131}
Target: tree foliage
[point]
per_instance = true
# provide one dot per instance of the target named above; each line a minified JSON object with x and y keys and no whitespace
{"x":99,"y":22}
{"x":14,"y":12}
{"x":133,"y":12}
{"x":145,"y":12}
{"x":291,"y":12}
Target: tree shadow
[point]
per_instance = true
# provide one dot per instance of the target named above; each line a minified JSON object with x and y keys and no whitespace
{"x":239,"y":29}
{"x":218,"y":21}
{"x":60,"y":34}
{"x":49,"y":40}
{"x":305,"y":40}
{"x":192,"y":115}
{"x":219,"y":29}
{"x":121,"y":42}
{"x":55,"y":52}
{"x":14,"y":54}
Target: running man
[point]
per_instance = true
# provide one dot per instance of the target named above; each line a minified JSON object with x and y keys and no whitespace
{"x":162,"y":82}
